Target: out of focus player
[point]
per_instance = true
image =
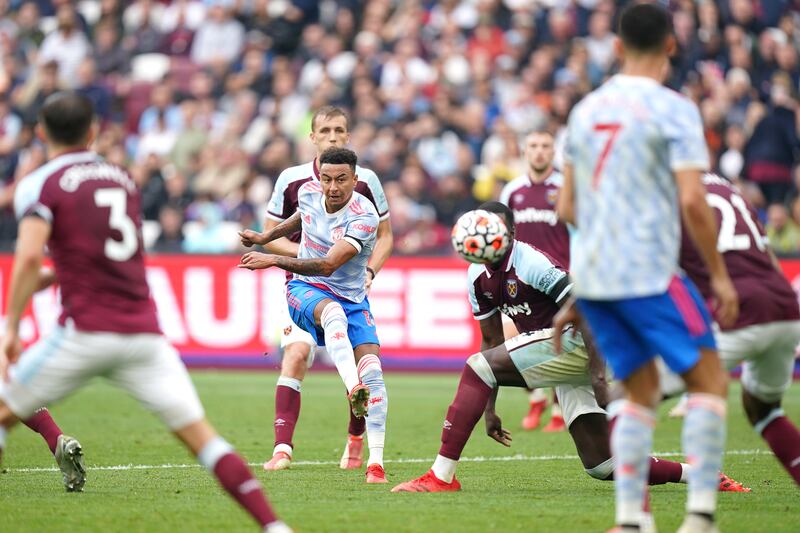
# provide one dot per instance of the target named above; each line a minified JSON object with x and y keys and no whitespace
{"x":528,"y":286}
{"x":328,"y":295}
{"x":635,"y":155}
{"x":329,"y":129}
{"x":86,"y":211}
{"x":532,"y":197}
{"x":767,"y":331}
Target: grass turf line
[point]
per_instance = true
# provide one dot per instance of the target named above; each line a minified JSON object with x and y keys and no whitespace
{"x":502,"y":493}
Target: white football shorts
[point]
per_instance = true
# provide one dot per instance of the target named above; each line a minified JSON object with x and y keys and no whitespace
{"x":147,"y":366}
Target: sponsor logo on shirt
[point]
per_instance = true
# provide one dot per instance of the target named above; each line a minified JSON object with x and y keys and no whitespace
{"x":363,"y":227}
{"x":531,"y":214}
{"x":514,"y":310}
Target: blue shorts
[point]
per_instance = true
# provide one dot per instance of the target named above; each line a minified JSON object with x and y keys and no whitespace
{"x":303,"y":297}
{"x":631,"y":331}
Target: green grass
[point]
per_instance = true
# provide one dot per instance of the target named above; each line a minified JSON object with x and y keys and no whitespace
{"x":516,"y":495}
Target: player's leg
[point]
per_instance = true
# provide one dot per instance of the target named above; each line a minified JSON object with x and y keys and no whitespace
{"x":42,"y":423}
{"x":632,"y":435}
{"x":537,"y":398}
{"x":48,"y":371}
{"x":152,"y":372}
{"x":766,"y":376}
{"x":679,"y":329}
{"x":371,"y":374}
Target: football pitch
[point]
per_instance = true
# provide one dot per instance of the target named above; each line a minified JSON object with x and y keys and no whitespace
{"x":141,"y":479}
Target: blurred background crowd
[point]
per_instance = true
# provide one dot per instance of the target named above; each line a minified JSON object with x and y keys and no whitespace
{"x":206,"y":102}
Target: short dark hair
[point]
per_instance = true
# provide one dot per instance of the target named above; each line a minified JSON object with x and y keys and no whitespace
{"x":339,"y":156}
{"x":67,"y":117}
{"x":501,"y":209}
{"x":329,"y":111}
{"x":645,"y":27}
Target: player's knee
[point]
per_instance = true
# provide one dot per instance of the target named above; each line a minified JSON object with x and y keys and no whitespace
{"x":483,"y":369}
{"x":603,"y":471}
{"x":295,"y":360}
{"x":760,"y":424}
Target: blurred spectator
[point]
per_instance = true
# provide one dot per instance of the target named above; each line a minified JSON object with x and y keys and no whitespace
{"x":170,"y":240}
{"x":209,"y":235}
{"x":773,"y":147}
{"x":92,"y":88}
{"x":782,"y":231}
{"x":111,"y":59}
{"x":10,"y":129}
{"x":67,"y":45}
{"x":219,"y":38}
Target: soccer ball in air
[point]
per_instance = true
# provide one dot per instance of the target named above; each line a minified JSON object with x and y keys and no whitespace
{"x":480,"y":236}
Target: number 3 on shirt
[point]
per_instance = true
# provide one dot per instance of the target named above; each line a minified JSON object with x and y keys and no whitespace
{"x":611,"y":130}
{"x":118,"y":219}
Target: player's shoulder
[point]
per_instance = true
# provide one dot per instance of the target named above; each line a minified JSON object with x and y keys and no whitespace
{"x":294,"y":174}
{"x":361,"y":205}
{"x":555,"y":179}
{"x":310,"y":186}
{"x":714,"y":180}
{"x":516,"y":184}
{"x":474,"y":272}
{"x":366,"y":174}
{"x":29,"y":188}
{"x":525,"y":257}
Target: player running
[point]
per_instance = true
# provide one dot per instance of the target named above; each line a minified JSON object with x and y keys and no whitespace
{"x":329,"y":129}
{"x":528,"y":286}
{"x":635,"y":156}
{"x":86,"y":211}
{"x":328,"y":295}
{"x":532,"y":196}
{"x":767,"y":331}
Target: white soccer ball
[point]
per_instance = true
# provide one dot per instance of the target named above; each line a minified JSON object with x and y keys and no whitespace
{"x":480,"y":236}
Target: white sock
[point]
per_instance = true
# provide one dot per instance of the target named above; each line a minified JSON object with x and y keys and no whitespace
{"x":685,"y":473}
{"x":3,"y":433}
{"x":631,"y":442}
{"x":371,"y":374}
{"x":704,"y":442}
{"x":277,"y":527}
{"x":285,"y":448}
{"x":334,"y":324}
{"x":555,"y":410}
{"x":213,"y":451}
{"x":444,"y":468}
{"x":537,"y":395}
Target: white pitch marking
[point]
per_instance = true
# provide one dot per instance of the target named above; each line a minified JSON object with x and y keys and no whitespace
{"x":479,"y":459}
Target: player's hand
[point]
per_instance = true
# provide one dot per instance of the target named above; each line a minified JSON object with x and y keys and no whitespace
{"x":256,"y":260}
{"x":494,"y":428}
{"x":726,"y":308}
{"x":250,"y":237}
{"x":568,"y":314}
{"x":368,"y":284}
{"x":10,"y":350}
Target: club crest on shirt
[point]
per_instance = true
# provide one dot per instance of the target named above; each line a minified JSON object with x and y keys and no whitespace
{"x":518,"y":198}
{"x":552,"y":196}
{"x":337,"y":234}
{"x":511,"y":288}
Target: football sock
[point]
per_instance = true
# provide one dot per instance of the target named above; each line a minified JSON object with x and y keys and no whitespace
{"x":703,"y":443}
{"x":357,"y":425}
{"x":287,"y":411}
{"x":662,"y":471}
{"x":537,"y":396}
{"x":42,"y":423}
{"x":465,"y":411}
{"x":371,"y":374}
{"x":784,"y":439}
{"x":631,"y":441}
{"x":235,"y":477}
{"x":444,"y":468}
{"x":334,"y":324}
{"x":3,"y":433}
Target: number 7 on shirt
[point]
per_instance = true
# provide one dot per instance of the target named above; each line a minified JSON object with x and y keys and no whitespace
{"x":611,"y":129}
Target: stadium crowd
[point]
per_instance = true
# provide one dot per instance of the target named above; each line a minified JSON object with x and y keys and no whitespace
{"x":208,"y":101}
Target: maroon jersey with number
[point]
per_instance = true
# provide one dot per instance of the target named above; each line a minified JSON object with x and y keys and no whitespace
{"x":95,"y":241}
{"x":534,"y":207}
{"x":764,"y":293}
{"x":527,"y":287}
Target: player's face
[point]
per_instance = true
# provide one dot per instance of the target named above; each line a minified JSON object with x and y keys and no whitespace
{"x":338,"y":182}
{"x":330,"y":132}
{"x":539,"y":151}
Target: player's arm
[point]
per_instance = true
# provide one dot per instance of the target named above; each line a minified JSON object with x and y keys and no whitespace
{"x":701,"y":224}
{"x":339,"y":254}
{"x":34,"y":232}
{"x":565,"y":208}
{"x":274,"y":237}
{"x":382,"y":250}
{"x":47,"y":278}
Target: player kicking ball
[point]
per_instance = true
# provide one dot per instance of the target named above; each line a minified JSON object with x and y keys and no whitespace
{"x":527,"y":286}
{"x":86,"y":211}
{"x":327,"y":297}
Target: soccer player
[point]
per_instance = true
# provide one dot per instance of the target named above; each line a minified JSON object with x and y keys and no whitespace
{"x":329,"y":129}
{"x":528,"y":286}
{"x":328,"y":295}
{"x":86,"y":211}
{"x":635,"y":155}
{"x":767,"y":331}
{"x":532,"y":196}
